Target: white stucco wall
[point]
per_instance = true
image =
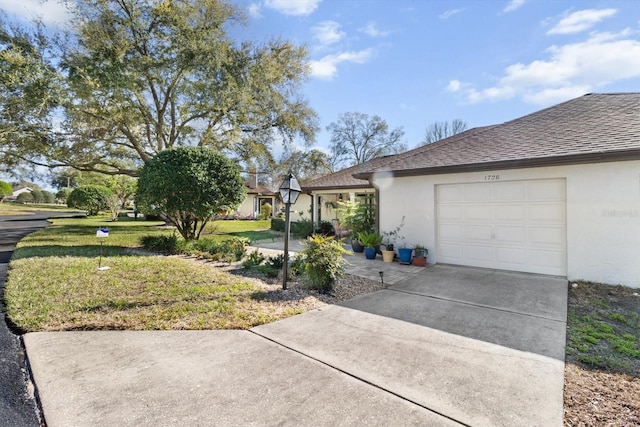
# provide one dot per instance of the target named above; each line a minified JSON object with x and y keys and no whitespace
{"x":603,"y":214}
{"x":300,"y":209}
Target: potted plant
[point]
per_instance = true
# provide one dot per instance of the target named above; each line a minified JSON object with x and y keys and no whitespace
{"x":420,"y":256}
{"x":388,"y":254}
{"x":355,"y":217}
{"x":370,"y":240}
{"x":390,"y":239}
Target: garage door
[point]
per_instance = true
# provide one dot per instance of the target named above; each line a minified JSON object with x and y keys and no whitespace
{"x":514,"y":225}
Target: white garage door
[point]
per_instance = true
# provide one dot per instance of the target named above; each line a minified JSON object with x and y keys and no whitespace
{"x":514,"y":225}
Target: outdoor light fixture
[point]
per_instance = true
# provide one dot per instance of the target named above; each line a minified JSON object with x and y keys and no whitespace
{"x":289,"y":192}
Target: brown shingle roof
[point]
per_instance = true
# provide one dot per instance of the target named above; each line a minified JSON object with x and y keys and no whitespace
{"x":591,"y":128}
{"x":344,"y":178}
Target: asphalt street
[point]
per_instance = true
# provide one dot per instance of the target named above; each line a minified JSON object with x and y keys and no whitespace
{"x":17,"y":402}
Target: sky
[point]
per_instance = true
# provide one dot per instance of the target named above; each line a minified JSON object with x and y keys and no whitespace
{"x":416,"y":62}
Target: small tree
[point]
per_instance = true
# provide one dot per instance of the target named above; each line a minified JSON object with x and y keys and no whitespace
{"x":188,"y":185}
{"x":47,"y":196}
{"x":5,"y":190}
{"x":62,"y":195}
{"x":92,"y":198}
{"x":37,"y":195}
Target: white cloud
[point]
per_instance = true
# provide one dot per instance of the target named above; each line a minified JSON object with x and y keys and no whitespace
{"x":581,"y":20}
{"x":371,"y":29}
{"x":513,"y":5}
{"x":293,"y":7}
{"x":449,"y":13}
{"x":570,"y":70}
{"x":254,"y":10}
{"x":50,"y":12}
{"x":327,"y":33}
{"x":454,"y":86}
{"x":327,"y":67}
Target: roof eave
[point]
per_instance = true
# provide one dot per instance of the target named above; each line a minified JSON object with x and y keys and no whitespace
{"x":336,"y":187}
{"x":574,"y":159}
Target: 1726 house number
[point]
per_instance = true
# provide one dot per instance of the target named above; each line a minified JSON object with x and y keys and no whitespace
{"x":492,"y":177}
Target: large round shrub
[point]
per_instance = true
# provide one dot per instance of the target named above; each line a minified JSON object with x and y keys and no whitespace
{"x":188,"y":185}
{"x":91,"y":198}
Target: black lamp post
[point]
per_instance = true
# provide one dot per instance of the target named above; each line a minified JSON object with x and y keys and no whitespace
{"x":289,"y":192}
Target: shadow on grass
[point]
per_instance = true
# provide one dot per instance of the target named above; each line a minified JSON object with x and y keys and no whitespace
{"x":80,"y":251}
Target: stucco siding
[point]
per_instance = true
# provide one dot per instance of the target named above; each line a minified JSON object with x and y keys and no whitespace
{"x":603,"y":214}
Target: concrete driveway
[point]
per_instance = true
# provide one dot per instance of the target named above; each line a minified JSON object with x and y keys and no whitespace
{"x":475,"y":346}
{"x":448,"y":346}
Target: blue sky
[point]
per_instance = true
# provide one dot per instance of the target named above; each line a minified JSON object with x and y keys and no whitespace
{"x":416,"y":62}
{"x":482,"y":61}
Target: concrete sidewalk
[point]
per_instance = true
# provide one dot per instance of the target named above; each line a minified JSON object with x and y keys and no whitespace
{"x":386,"y":358}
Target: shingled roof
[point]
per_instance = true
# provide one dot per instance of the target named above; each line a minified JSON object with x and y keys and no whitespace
{"x":344,"y":179}
{"x":588,"y":129}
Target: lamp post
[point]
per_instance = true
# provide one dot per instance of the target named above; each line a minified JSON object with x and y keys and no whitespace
{"x":289,"y":192}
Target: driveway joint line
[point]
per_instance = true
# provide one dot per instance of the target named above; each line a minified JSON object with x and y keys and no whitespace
{"x":476,"y":305}
{"x":406,"y":399}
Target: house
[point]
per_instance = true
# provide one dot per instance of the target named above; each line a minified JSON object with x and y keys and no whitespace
{"x":555,"y":192}
{"x":17,"y":192}
{"x":257,"y":197}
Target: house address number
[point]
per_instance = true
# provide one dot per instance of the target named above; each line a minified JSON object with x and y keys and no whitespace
{"x":492,"y":177}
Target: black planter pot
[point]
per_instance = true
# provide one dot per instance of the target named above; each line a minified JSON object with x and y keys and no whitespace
{"x":356,"y":246}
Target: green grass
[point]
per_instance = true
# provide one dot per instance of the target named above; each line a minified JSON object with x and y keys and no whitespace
{"x":604,"y":328}
{"x":54,"y":283}
{"x":252,"y":230}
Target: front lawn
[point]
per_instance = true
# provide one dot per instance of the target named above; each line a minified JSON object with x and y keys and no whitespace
{"x":54,"y":282}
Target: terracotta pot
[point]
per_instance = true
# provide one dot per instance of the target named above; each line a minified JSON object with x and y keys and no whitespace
{"x":420,"y":262}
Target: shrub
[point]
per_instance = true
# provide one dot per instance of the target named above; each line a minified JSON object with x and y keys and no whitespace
{"x":189,"y":185}
{"x":25,"y":197}
{"x":324,"y":263}
{"x":254,"y":259}
{"x":268,"y":271}
{"x":165,"y":244}
{"x":5,"y":190}
{"x":265,"y":212}
{"x":277,"y":224}
{"x":276,"y":261}
{"x":298,"y":264}
{"x":37,"y":195}
{"x":91,"y":198}
{"x":326,"y":228}
{"x":302,"y":228}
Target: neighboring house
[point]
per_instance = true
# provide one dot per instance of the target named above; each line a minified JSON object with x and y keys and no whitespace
{"x":257,"y":196}
{"x":555,"y":192}
{"x":17,"y":192}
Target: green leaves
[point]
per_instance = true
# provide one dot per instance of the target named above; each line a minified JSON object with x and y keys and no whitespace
{"x":135,"y":77}
{"x":189,"y":185}
{"x":92,"y":198}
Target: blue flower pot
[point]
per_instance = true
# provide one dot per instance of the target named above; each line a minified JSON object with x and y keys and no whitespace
{"x":405,"y":255}
{"x":370,"y":253}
